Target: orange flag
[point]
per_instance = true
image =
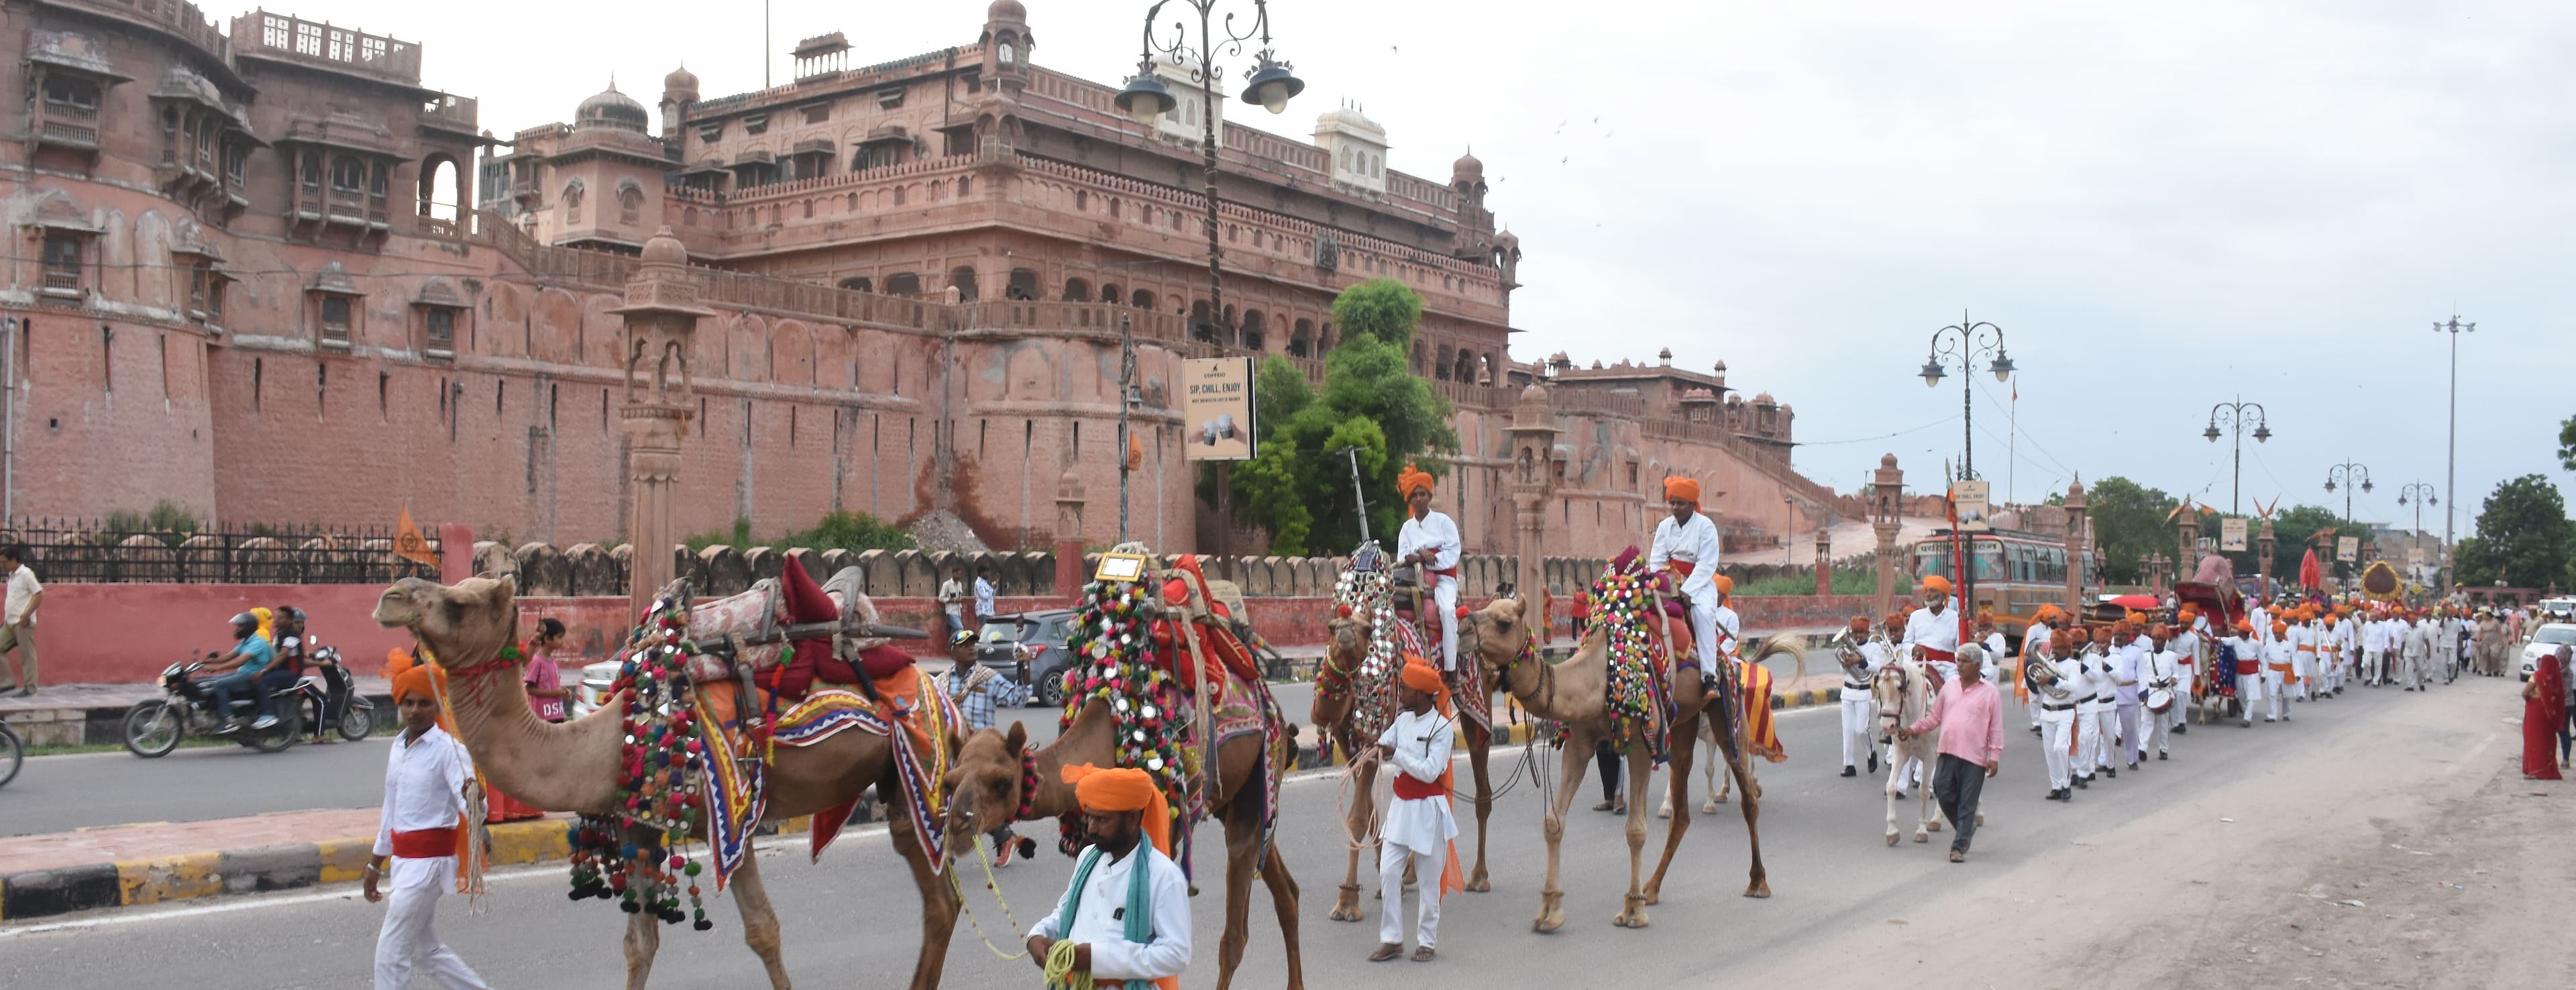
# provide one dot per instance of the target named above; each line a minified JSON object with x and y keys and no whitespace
{"x":410,"y":545}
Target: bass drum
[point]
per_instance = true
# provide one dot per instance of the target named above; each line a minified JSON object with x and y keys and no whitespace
{"x":2160,"y":700}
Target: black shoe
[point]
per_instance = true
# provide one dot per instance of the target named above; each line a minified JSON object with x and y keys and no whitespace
{"x":2161,"y":756}
{"x":2085,"y":781}
{"x":2034,"y":730}
{"x":2114,"y":772}
{"x":1873,"y":762}
{"x":1849,"y":772}
{"x":1708,"y":684}
{"x":2133,"y":766}
{"x":1900,"y":795}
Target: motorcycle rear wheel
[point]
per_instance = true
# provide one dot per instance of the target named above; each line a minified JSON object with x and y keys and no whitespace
{"x":153,"y":728}
{"x":276,"y":738}
{"x":357,"y":723}
{"x":13,"y":754}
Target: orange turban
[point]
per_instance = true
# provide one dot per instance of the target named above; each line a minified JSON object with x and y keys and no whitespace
{"x":1123,"y":789}
{"x":2245,"y":625}
{"x":1725,"y":586}
{"x":415,"y":679}
{"x":1860,"y":623}
{"x":1685,"y":489}
{"x":2079,"y":636}
{"x":1937,"y":583}
{"x":2279,"y":628}
{"x":1986,"y":616}
{"x":1421,"y":676}
{"x":1411,"y":478}
{"x":1896,"y":620}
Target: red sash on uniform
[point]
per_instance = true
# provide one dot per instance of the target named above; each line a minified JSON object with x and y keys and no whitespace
{"x":1680,"y":566}
{"x":1409,"y":788}
{"x":1930,"y":653}
{"x":427,"y":843}
{"x":1450,"y":573}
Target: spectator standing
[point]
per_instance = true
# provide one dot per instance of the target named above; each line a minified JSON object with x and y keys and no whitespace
{"x":546,"y":693}
{"x":952,"y":598}
{"x":18,"y":632}
{"x":984,"y":592}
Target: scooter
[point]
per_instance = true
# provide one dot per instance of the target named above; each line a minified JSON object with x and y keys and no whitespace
{"x":331,"y":701}
{"x":153,"y":728}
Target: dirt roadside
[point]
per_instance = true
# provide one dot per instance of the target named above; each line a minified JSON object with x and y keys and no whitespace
{"x":2399,"y":850}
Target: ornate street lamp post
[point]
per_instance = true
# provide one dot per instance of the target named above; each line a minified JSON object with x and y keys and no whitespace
{"x":2234,"y":415}
{"x":2348,"y":474}
{"x":1966,"y":339}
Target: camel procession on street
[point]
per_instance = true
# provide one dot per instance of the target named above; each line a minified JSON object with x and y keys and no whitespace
{"x":790,"y":701}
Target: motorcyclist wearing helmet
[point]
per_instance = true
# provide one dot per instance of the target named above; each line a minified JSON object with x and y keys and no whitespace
{"x":289,"y":641}
{"x":239,"y":669}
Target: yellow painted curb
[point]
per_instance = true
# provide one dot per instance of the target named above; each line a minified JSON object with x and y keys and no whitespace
{"x":344,"y":860}
{"x":169,"y":878}
{"x":530,"y":842}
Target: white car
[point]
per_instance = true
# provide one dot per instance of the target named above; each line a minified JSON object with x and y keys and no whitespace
{"x":2547,"y":638}
{"x":593,"y":689}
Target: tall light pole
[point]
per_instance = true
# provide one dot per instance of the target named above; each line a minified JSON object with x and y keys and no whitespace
{"x":2451,"y":460}
{"x":2420,"y":495}
{"x":1268,"y":84}
{"x":1966,"y":339}
{"x":2234,"y":414}
{"x":2349,"y":475}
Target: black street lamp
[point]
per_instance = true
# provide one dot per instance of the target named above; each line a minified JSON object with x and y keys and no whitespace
{"x":2349,"y":475}
{"x":2419,"y":495}
{"x":2234,"y":414}
{"x":1966,"y":339}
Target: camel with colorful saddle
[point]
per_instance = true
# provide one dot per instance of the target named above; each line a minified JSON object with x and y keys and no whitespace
{"x":1373,"y":630}
{"x":715,"y":727}
{"x":1620,"y":686}
{"x":1162,"y":681}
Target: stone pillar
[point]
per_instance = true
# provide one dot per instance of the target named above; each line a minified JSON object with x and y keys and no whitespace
{"x":2266,"y":544}
{"x":455,"y":552}
{"x":661,"y":313}
{"x":1068,"y":535}
{"x":2187,"y":560}
{"x":1886,"y":500}
{"x":1532,"y":435}
{"x":1824,"y":562}
{"x":2075,"y":548}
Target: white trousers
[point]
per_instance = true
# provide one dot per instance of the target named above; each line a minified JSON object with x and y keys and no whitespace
{"x":2056,"y":732}
{"x":407,"y":941}
{"x":1444,"y":593}
{"x":1391,"y":859}
{"x":2133,"y":744}
{"x":2411,"y":669}
{"x":2274,"y":695}
{"x":2160,"y":729}
{"x":1703,"y":620}
{"x":2091,"y":724}
{"x":1857,"y":719}
{"x":2374,"y":666}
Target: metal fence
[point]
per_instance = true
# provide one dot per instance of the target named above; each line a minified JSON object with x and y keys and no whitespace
{"x":105,"y":551}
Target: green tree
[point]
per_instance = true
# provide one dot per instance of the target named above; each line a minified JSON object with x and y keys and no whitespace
{"x":1299,"y":486}
{"x":2128,"y":522}
{"x":2524,"y":537}
{"x":2566,"y":446}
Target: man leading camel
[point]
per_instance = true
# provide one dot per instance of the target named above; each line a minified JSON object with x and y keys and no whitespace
{"x":427,"y":774}
{"x":1686,"y":544}
{"x":1431,"y":540}
{"x":1127,"y":910}
{"x":1419,"y":829}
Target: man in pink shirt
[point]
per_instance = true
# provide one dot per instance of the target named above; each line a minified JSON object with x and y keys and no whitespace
{"x":1973,"y":740}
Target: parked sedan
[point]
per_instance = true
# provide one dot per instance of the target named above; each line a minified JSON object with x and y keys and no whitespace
{"x":2547,"y":638}
{"x":1028,"y":648}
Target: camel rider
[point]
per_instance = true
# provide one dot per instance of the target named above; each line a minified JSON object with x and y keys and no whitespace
{"x":2164,"y":670}
{"x":1860,"y":664}
{"x":1431,"y":540}
{"x":2057,"y":716}
{"x":428,"y":775}
{"x":1127,"y":910}
{"x":1686,"y":544}
{"x":1933,"y":631}
{"x":1419,"y":831}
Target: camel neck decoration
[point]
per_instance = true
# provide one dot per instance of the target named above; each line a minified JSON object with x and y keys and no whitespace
{"x":1639,"y":699}
{"x":670,"y":772}
{"x":1111,"y":633}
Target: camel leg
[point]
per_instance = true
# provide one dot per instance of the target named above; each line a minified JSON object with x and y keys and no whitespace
{"x":1551,"y":898}
{"x":759,"y":919}
{"x":1633,"y":913}
{"x":1718,"y":783}
{"x":1741,"y":765}
{"x":1283,"y":902}
{"x":1242,"y":839}
{"x":1676,"y":796}
{"x":939,"y":900}
{"x":643,"y":938}
{"x":1346,"y":904}
{"x":1480,"y":748}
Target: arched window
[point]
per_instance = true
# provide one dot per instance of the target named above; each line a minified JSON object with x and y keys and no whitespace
{"x":1109,"y":294}
{"x":1009,"y":54}
{"x":858,"y":283}
{"x":630,"y":204}
{"x":1077,"y":290}
{"x":1252,"y":338}
{"x":1081,"y":201}
{"x":1440,"y":365}
{"x":1113,"y":208}
{"x":963,"y":278}
{"x":898,"y":195}
{"x":572,"y":194}
{"x":965,"y":186}
{"x":851,"y":205}
{"x":347,"y":175}
{"x":1144,"y":299}
{"x":1301,"y":339}
{"x":1201,"y":328}
{"x":903,"y":284}
{"x":1023,"y":285}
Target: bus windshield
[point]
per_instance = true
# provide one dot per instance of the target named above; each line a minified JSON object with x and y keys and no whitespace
{"x":1933,"y":557}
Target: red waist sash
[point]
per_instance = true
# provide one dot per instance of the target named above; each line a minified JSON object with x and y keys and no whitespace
{"x":1407,"y":788}
{"x":1436,"y":572}
{"x":427,"y":843}
{"x":1930,"y":653}
{"x":1680,"y":566}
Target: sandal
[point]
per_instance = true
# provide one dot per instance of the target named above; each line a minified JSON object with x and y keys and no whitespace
{"x":1958,"y":857}
{"x":1423,"y":954}
{"x":1621,"y":809}
{"x":1606,"y":805}
{"x":1385,"y":952}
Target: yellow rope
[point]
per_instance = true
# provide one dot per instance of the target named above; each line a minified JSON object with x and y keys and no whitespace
{"x":1059,"y":968}
{"x":996,"y":888}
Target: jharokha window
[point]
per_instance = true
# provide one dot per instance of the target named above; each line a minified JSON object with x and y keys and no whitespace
{"x":62,"y":261}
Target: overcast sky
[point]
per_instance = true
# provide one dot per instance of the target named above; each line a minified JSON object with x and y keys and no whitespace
{"x":2163,"y":205}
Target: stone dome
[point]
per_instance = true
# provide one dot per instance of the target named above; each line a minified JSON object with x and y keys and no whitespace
{"x":664,"y":248}
{"x":610,"y":108}
{"x":1467,"y":169}
{"x":1764,"y":399}
{"x":680,"y":81}
{"x":1006,"y":10}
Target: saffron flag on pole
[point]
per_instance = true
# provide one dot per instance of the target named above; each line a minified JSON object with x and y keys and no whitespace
{"x":410,"y":545}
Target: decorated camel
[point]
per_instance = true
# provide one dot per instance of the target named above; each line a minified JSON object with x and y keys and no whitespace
{"x":576,"y":767}
{"x":1355,"y":700}
{"x":1577,"y":692}
{"x":1125,"y":708}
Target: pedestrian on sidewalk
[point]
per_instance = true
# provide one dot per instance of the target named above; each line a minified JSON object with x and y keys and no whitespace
{"x":1972,"y":748}
{"x":2544,"y":714}
{"x":979,"y":690}
{"x":1126,"y":914}
{"x":18,"y":631}
{"x":1420,"y":828}
{"x":427,"y":779}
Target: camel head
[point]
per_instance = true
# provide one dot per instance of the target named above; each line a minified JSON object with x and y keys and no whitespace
{"x":1350,"y":639}
{"x":982,"y":790}
{"x":471,"y":619}
{"x":1496,"y":632}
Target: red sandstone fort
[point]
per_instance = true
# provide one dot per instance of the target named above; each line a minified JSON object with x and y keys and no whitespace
{"x":234,"y":290}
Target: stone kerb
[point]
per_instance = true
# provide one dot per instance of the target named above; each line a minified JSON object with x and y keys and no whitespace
{"x":623,"y":557}
{"x":685,"y":563}
{"x":727,"y":573}
{"x":542,"y":570}
{"x":918,"y":576}
{"x":806,"y":558}
{"x":834,"y":561}
{"x":146,"y":558}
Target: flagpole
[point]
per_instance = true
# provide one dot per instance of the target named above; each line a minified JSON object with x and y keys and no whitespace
{"x":2012,"y":439}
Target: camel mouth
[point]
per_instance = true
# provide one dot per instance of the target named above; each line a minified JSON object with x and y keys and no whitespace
{"x":395,"y":608}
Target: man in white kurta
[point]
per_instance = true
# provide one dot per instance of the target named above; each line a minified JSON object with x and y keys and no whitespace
{"x":2375,"y":641}
{"x":2034,"y":649}
{"x":2128,"y":667}
{"x":2163,"y":670}
{"x":1859,"y":710}
{"x":2191,"y":667}
{"x":2280,"y":659}
{"x":427,"y":773}
{"x":1686,"y":544}
{"x":2247,"y":668}
{"x":2094,"y":733}
{"x":1116,"y":807}
{"x":1419,"y":824}
{"x":1431,"y":540}
{"x":2415,"y":652}
{"x":2057,"y":715}
{"x":1932,"y":632}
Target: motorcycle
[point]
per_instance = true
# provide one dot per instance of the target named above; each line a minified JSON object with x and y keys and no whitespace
{"x":331,"y":700}
{"x":153,"y":728}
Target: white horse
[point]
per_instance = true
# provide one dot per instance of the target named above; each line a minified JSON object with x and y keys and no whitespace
{"x":1903,"y":692}
{"x":1719,"y":784}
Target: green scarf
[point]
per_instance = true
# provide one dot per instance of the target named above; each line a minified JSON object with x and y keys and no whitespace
{"x":1140,"y":894}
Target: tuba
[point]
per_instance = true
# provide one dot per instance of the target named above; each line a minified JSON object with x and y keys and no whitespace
{"x":1847,"y":653}
{"x":2041,"y":678}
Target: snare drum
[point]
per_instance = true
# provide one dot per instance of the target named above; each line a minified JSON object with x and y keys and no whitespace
{"x":2160,"y":700}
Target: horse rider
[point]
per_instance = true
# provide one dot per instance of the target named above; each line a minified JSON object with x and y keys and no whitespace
{"x":1861,"y":660}
{"x":1431,"y":540}
{"x":1419,"y":827}
{"x":1991,"y":639}
{"x":1933,"y":631}
{"x":2093,"y":715}
{"x":2056,"y":704}
{"x":2129,"y":650}
{"x":2164,"y":671}
{"x":1686,"y":544}
{"x":2034,"y":649}
{"x":1127,"y":910}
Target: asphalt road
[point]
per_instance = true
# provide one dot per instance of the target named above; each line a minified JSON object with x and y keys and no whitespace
{"x":851,"y":920}
{"x":86,"y":790}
